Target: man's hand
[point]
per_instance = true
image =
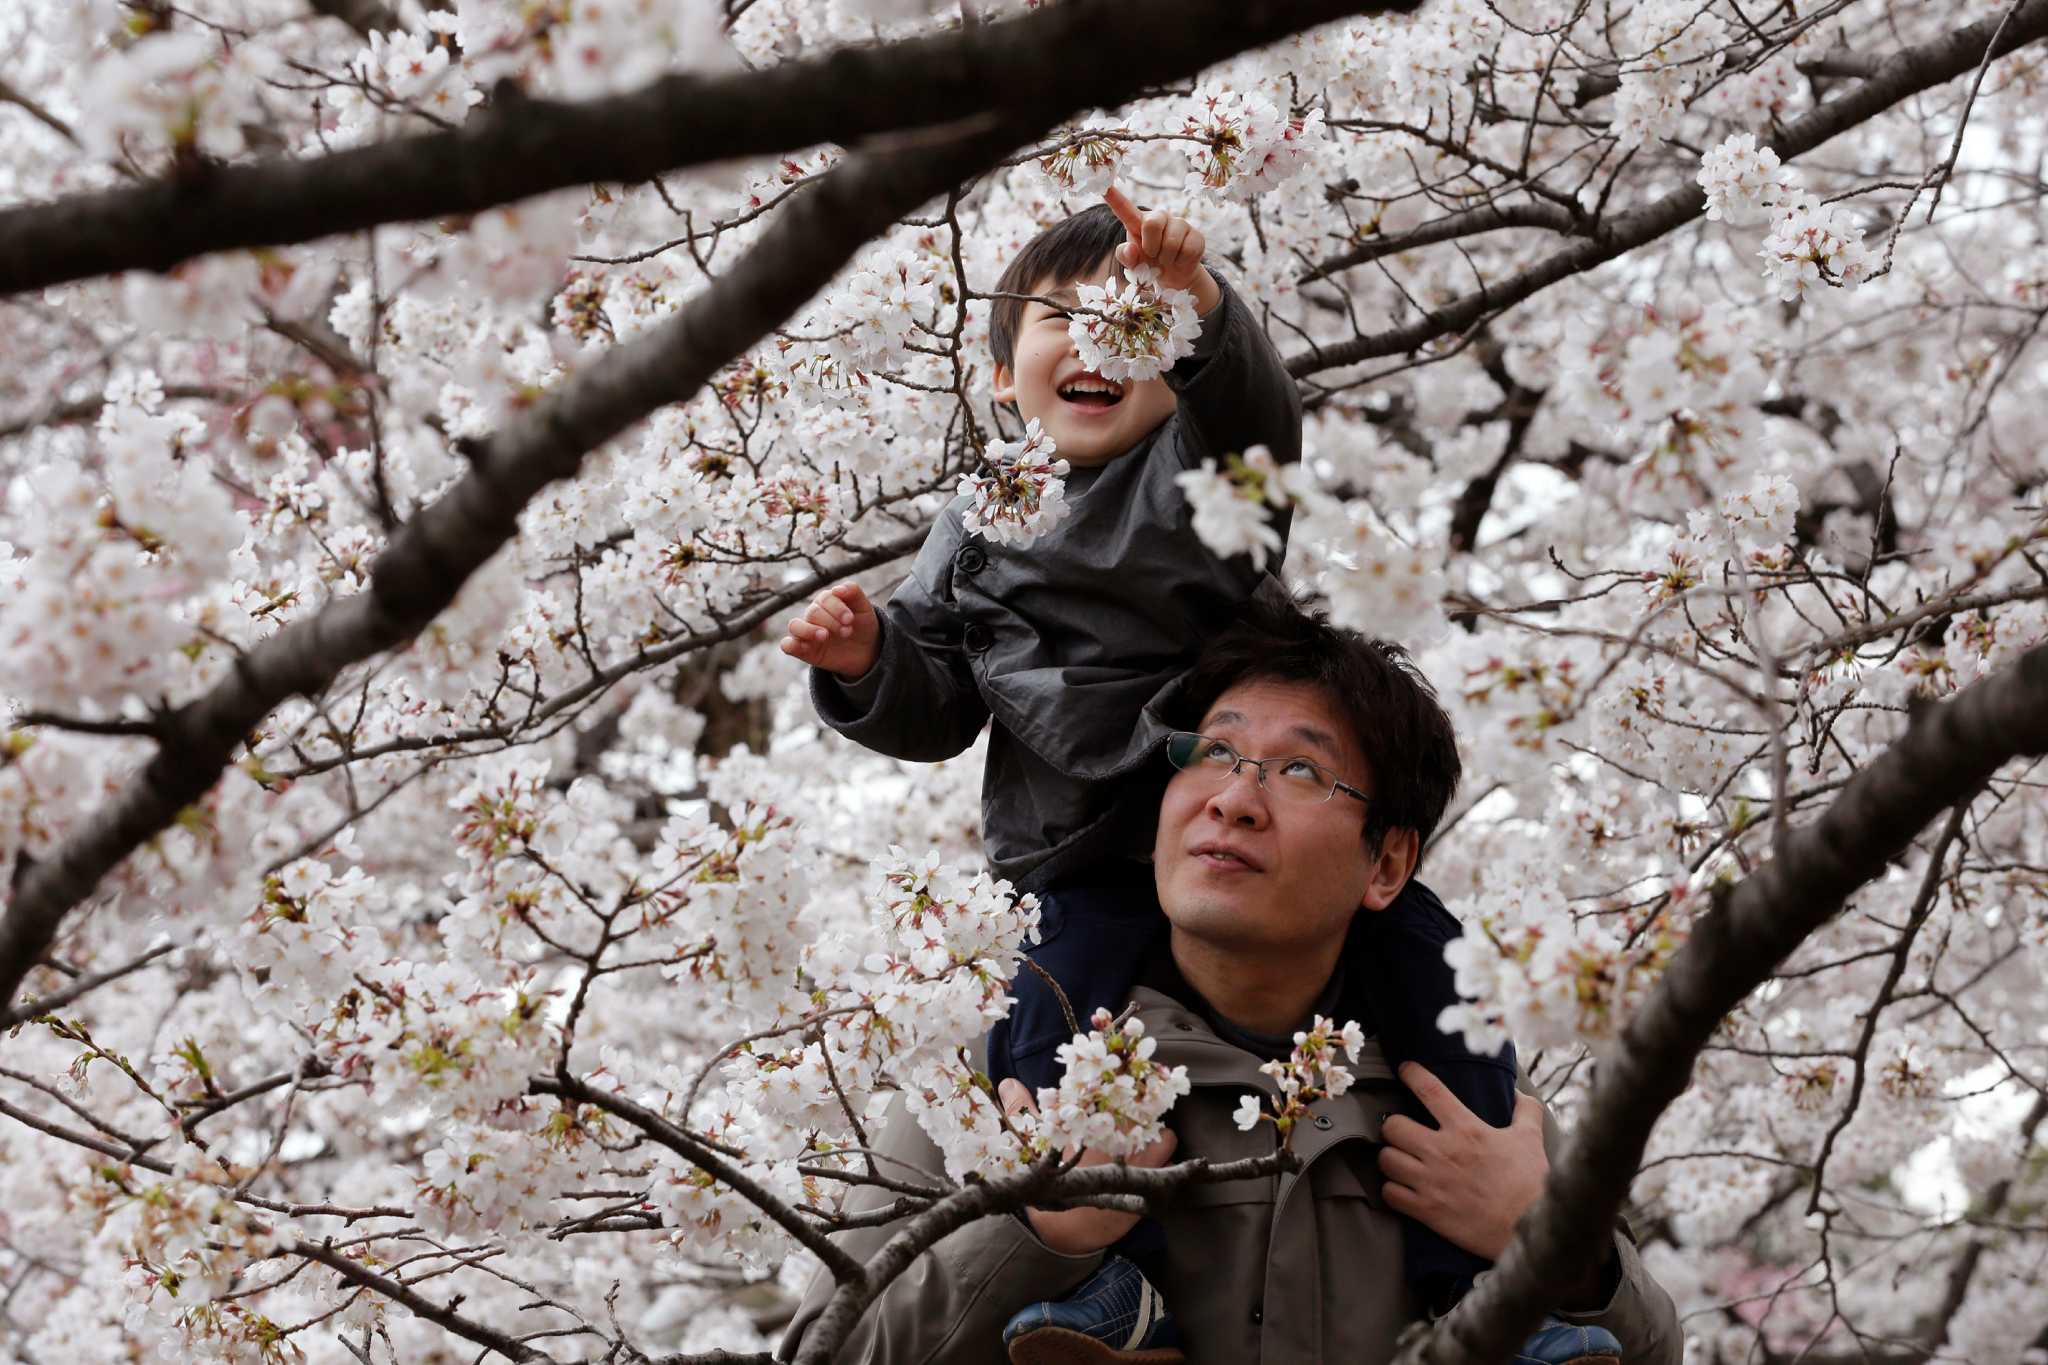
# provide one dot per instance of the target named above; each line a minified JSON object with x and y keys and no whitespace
{"x":1468,"y":1180}
{"x":1083,"y":1231}
{"x":838,"y":632}
{"x":1169,"y":244}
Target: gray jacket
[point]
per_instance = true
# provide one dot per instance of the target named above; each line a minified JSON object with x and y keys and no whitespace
{"x":1062,"y":645}
{"x":1295,"y":1270}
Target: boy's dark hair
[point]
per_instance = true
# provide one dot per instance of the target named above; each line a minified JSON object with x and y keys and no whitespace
{"x":1062,"y":253}
{"x":1409,"y":745}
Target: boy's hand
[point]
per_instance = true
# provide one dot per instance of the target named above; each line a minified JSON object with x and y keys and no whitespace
{"x":1083,"y":1231}
{"x":838,"y":632}
{"x":1169,"y":244}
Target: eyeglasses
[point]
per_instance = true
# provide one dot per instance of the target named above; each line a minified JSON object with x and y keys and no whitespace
{"x":1299,"y":780}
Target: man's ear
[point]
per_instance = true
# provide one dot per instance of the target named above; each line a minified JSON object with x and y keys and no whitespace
{"x":1399,"y":849}
{"x":1004,"y":385}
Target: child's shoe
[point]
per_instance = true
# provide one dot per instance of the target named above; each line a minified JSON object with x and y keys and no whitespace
{"x":1558,"y":1342}
{"x":1114,"y":1317}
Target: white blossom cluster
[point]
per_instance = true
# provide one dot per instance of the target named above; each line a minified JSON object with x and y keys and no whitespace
{"x":1020,"y":494}
{"x":1112,"y":1096}
{"x":1136,"y":331}
{"x":1310,"y":1073}
{"x":1232,"y":504}
{"x":1813,"y":243}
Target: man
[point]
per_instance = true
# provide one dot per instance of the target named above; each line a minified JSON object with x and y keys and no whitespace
{"x":1262,"y":882}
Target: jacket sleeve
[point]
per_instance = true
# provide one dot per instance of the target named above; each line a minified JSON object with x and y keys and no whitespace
{"x":949,"y":1306}
{"x":1234,"y":390}
{"x":918,"y":701}
{"x":1638,"y":1312}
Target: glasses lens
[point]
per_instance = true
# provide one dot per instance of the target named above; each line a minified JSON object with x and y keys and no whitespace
{"x":1298,"y":779}
{"x":1185,"y":750}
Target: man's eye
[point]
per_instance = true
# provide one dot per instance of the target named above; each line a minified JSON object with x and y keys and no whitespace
{"x":1301,"y":770}
{"x":1215,"y":751}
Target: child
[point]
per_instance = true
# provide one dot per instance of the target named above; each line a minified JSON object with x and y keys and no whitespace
{"x":1061,"y":646}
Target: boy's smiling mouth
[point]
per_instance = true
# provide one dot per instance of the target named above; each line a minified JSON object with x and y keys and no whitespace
{"x":1091,"y":391}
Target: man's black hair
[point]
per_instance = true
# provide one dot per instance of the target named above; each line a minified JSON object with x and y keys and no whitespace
{"x":1410,"y":747}
{"x":1059,"y":255}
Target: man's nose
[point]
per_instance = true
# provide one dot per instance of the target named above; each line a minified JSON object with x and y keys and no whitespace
{"x":1241,"y":799}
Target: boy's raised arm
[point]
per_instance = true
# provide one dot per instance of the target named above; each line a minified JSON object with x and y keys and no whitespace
{"x":1234,"y":390}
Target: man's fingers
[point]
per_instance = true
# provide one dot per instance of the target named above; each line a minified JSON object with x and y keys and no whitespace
{"x":1436,"y":1097}
{"x":1398,"y":1130}
{"x":1016,"y":1099}
{"x":1401,"y":1199}
{"x":1397,"y":1165}
{"x":1153,"y":234}
{"x":1528,"y":1111}
{"x":1126,"y":212}
{"x":850,"y":593}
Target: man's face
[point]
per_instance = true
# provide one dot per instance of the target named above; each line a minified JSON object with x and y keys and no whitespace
{"x":1045,"y":380}
{"x":1241,"y":869}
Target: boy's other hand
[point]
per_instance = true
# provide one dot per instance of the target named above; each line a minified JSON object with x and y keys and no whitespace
{"x":1083,"y":1231}
{"x":1169,"y":244}
{"x":838,"y":632}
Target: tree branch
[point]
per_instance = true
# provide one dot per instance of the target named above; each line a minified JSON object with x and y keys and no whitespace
{"x":1907,"y":73}
{"x":58,"y":999}
{"x":445,"y":1318}
{"x":1948,"y":750}
{"x":1469,"y":223}
{"x":1034,"y":69}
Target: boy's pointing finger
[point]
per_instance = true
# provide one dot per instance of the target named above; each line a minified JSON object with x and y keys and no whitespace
{"x":1126,"y":212}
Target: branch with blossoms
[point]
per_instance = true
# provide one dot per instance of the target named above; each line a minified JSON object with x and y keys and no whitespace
{"x":425,"y":565}
{"x":1034,"y":69}
{"x":1904,"y":74}
{"x":427,"y":562}
{"x":1949,"y":750}
{"x":1310,"y":1073}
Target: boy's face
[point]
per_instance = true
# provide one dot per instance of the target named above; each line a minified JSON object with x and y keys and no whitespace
{"x":1045,"y":380}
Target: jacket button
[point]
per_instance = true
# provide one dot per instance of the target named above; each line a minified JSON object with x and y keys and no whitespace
{"x":971,"y":559}
{"x":976,"y":637}
{"x":1324,"y":1122}
{"x":1258,"y":1313}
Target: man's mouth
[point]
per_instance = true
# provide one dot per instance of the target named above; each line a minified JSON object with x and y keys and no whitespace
{"x":1215,"y":855}
{"x":1091,"y":391}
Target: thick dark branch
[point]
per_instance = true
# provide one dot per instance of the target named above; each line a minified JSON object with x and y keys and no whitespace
{"x":442,"y":1316}
{"x":1948,"y":750}
{"x":1907,"y":73}
{"x":1034,"y":69}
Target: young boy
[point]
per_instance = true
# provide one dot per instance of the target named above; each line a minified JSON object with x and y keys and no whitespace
{"x":1061,"y":646}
